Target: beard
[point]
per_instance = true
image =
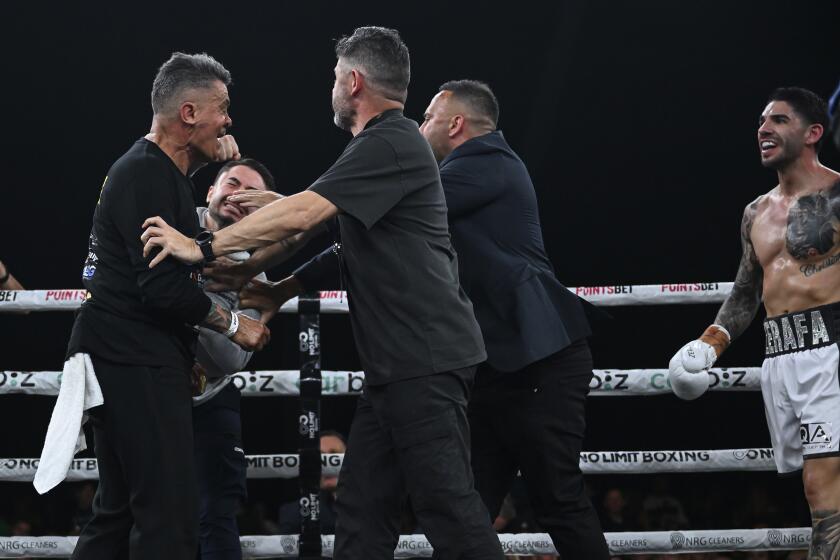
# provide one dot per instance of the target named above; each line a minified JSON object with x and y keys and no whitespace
{"x":438,"y":151}
{"x":220,"y":220}
{"x":344,"y":115}
{"x":788,"y":154}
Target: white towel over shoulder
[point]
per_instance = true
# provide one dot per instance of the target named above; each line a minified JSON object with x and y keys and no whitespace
{"x":79,"y":392}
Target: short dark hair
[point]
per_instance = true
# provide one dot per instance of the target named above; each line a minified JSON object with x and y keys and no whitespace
{"x":266,"y":175}
{"x":808,"y":105}
{"x":333,"y":433}
{"x":183,"y":71}
{"x":383,"y":56}
{"x":477,"y":96}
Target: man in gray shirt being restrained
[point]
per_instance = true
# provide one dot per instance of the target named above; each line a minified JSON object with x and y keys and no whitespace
{"x":220,"y":459}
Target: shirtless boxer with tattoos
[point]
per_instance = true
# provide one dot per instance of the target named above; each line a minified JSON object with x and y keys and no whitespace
{"x":791,"y":261}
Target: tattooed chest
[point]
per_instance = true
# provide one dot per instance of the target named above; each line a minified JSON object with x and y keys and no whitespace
{"x":813,"y":224}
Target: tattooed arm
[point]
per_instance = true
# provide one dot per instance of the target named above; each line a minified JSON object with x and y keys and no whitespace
{"x":740,"y":307}
{"x":251,"y":335}
{"x":218,"y":318}
{"x":735,"y":315}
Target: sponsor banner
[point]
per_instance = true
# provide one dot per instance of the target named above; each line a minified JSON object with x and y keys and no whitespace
{"x":408,"y":546}
{"x":529,"y":544}
{"x":41,"y":300}
{"x":618,"y":382}
{"x":591,"y":462}
{"x":273,"y":546}
{"x":250,"y":383}
{"x":287,"y":382}
{"x":336,"y":301}
{"x":37,"y":547}
{"x":645,"y":462}
{"x":30,"y":382}
{"x":605,"y":382}
{"x":23,"y":469}
{"x":684,"y":542}
{"x":655,"y":294}
{"x":259,"y":466}
{"x":417,"y":546}
{"x":67,"y":300}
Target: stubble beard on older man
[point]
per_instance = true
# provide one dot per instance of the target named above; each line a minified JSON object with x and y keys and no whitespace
{"x":344,"y":115}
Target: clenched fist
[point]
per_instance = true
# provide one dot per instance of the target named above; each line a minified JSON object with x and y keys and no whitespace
{"x":251,"y":335}
{"x":226,"y":149}
{"x":688,"y":370}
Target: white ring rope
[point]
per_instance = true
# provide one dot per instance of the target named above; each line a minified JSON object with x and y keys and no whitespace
{"x":268,"y":383}
{"x":591,"y":462}
{"x":604,"y":383}
{"x":336,"y":301}
{"x":414,"y":546}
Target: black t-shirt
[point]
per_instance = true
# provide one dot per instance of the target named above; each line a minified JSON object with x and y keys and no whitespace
{"x":410,"y":316}
{"x":137,"y":315}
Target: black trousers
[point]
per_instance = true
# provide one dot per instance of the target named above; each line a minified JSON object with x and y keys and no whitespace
{"x":533,"y":421}
{"x":146,"y":504}
{"x":412,"y":437}
{"x":221,"y":471}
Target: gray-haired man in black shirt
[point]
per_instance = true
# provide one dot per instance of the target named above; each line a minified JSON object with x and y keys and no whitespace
{"x":138,"y":323}
{"x":414,"y":327}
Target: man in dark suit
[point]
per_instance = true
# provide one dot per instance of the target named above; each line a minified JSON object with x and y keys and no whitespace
{"x":527,"y":408}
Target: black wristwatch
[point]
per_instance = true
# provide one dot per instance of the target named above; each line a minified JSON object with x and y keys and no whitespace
{"x":204,"y":240}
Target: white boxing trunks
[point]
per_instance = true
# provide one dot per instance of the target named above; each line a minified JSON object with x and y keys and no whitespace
{"x":801,"y":387}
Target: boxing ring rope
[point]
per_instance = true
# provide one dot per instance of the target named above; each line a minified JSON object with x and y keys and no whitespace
{"x":591,"y":462}
{"x":270,"y":383}
{"x":336,"y":301}
{"x":416,"y":546}
{"x":635,"y":382}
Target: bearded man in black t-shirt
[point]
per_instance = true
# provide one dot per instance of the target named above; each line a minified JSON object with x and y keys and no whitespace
{"x":138,"y":324}
{"x":414,"y":327}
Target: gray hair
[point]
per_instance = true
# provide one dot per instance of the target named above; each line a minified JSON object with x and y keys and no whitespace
{"x":185,"y":71}
{"x":383,"y":56}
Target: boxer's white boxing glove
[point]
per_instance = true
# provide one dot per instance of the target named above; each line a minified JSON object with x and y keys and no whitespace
{"x":688,"y":369}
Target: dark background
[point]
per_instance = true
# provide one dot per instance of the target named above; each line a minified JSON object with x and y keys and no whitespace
{"x":636,"y":120}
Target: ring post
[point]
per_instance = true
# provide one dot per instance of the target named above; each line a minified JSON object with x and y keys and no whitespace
{"x":309,"y":307}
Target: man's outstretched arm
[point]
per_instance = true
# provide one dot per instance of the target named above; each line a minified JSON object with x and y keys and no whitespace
{"x":224,"y":274}
{"x":275,"y":222}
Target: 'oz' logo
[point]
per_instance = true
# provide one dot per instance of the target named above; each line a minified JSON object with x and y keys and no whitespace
{"x":253,"y":382}
{"x":818,"y":432}
{"x":726,"y":379}
{"x":608,"y":381}
{"x":16,"y":378}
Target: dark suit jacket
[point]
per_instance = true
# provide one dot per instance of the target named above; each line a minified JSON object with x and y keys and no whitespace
{"x":525,"y":314}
